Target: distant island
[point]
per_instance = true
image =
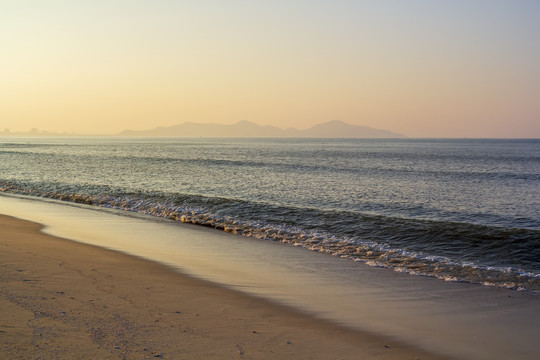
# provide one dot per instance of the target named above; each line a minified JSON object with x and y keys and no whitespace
{"x":331,"y":129}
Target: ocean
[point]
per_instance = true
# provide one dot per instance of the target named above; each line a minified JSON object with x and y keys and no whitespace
{"x":464,"y":210}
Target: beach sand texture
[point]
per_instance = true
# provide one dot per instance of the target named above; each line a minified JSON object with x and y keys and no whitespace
{"x":65,"y":300}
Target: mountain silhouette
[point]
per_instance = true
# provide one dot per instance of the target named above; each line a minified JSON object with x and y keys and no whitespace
{"x":331,"y":129}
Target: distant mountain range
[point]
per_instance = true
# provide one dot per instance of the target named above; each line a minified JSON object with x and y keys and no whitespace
{"x":331,"y":129}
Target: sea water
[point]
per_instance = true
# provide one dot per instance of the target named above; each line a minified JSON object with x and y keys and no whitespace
{"x":457,"y":210}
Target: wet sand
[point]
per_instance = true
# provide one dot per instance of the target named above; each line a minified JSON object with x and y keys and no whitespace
{"x":62,"y":299}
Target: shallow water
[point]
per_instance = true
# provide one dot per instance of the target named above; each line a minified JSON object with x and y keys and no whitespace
{"x":462,"y":210}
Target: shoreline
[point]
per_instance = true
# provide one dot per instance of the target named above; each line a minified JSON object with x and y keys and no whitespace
{"x":63,"y":298}
{"x":457,"y":320}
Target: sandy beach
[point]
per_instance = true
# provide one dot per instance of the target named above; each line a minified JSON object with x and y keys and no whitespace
{"x":62,"y":299}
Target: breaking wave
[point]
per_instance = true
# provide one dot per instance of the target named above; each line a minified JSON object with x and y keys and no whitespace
{"x":418,"y":247}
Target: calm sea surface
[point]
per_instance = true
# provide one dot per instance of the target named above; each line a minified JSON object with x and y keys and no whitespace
{"x":459,"y":210}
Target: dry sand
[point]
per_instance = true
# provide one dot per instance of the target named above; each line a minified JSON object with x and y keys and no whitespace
{"x":65,"y":300}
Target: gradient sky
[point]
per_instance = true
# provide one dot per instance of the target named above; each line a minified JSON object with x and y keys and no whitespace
{"x":424,"y":68}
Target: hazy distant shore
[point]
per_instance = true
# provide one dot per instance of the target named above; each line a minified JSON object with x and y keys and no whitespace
{"x":331,"y":129}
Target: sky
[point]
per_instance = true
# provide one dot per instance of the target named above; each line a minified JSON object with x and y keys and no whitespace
{"x":423,"y":68}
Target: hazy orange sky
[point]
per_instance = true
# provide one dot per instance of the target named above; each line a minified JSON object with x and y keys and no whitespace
{"x":423,"y":68}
